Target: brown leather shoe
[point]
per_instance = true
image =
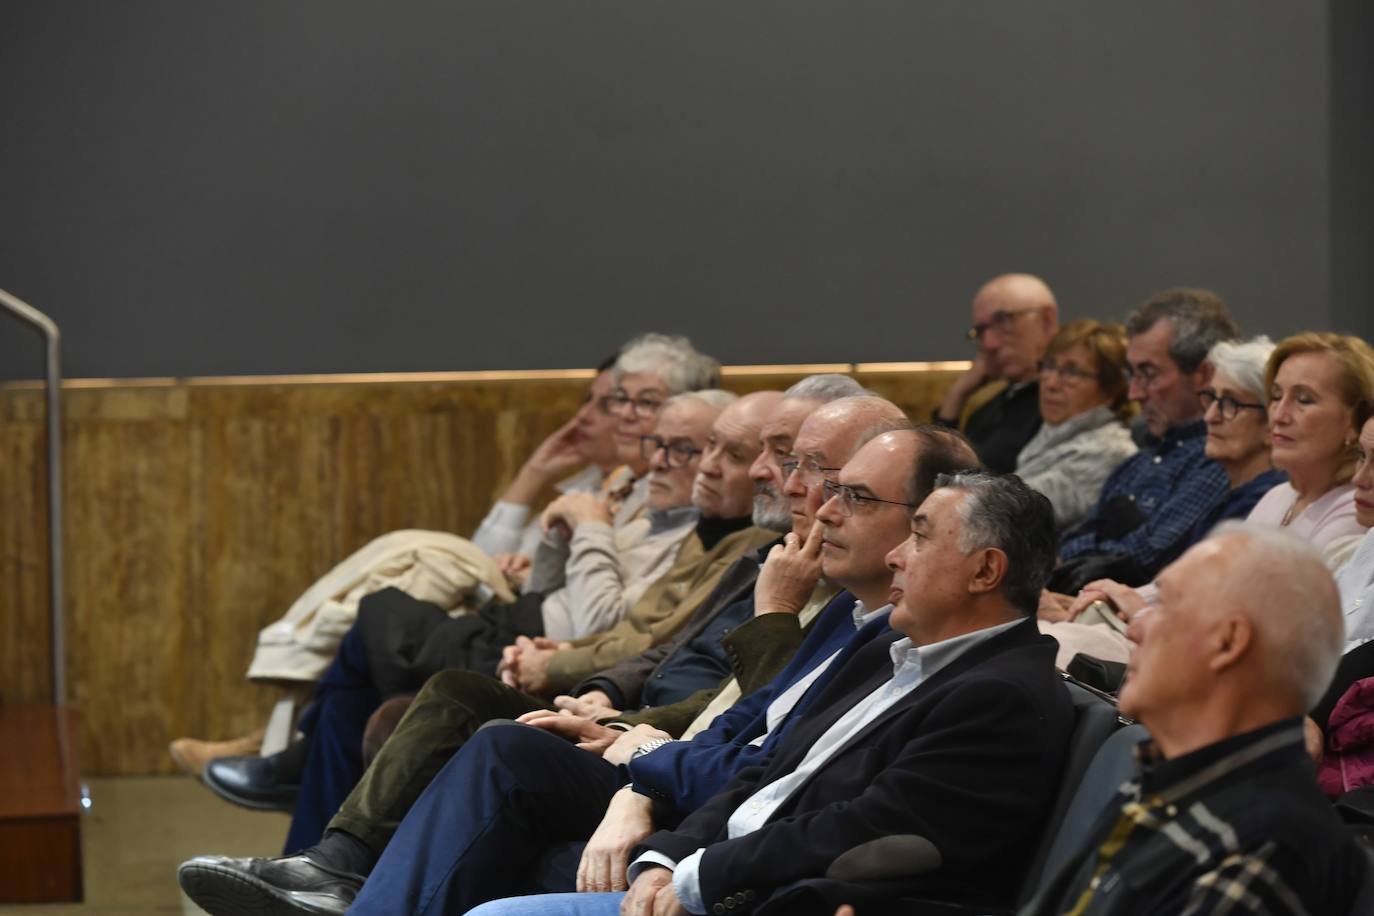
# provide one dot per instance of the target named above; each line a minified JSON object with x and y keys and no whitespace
{"x":192,"y":754}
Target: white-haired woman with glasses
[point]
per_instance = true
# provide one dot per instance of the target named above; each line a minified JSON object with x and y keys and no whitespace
{"x":1083,"y":404}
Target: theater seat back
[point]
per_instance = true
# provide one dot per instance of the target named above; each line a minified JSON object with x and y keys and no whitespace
{"x":1095,"y":720}
{"x":1364,"y":901}
{"x":1111,"y":765}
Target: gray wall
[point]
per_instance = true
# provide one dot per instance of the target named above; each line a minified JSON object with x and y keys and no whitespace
{"x":342,"y":185}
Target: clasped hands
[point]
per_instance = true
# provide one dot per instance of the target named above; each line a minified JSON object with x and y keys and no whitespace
{"x":525,"y":664}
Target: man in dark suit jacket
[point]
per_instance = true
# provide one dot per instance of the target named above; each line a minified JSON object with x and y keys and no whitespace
{"x":926,"y":765}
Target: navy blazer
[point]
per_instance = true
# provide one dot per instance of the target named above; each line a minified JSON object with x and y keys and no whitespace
{"x":684,"y":775}
{"x":967,"y":762}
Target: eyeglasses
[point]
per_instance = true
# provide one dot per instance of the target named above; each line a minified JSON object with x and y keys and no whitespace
{"x":615,"y":404}
{"x":810,"y":471}
{"x":849,"y":499}
{"x":1147,"y":374}
{"x":1001,"y":322}
{"x":676,"y":454}
{"x":1227,"y":405}
{"x":1068,"y":373}
{"x":606,"y":403}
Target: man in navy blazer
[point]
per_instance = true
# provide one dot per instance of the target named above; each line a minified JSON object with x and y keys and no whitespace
{"x":925,"y":767}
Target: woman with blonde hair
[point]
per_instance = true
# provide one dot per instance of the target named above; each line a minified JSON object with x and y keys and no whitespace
{"x":1321,"y":392}
{"x":1083,"y":403}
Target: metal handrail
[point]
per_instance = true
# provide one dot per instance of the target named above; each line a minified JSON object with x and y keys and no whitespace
{"x":30,"y":315}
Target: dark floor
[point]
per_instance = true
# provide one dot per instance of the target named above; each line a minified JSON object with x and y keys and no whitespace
{"x":137,"y":832}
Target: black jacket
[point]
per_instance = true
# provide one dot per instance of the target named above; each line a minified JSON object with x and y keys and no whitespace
{"x":967,"y":761}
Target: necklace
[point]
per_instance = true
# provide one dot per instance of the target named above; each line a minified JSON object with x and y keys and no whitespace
{"x":1290,"y":514}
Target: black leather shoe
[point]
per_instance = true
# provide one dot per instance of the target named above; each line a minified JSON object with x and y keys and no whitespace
{"x":250,"y":782}
{"x":266,"y":887}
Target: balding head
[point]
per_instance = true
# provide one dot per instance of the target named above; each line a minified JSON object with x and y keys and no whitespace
{"x":1247,"y":630}
{"x":1281,"y":582}
{"x":1014,"y":316}
{"x":722,"y":488}
{"x":829,"y":437}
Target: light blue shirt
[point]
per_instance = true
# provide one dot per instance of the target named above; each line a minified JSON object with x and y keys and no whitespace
{"x":911,"y":665}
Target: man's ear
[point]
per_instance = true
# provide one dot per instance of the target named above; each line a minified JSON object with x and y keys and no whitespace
{"x":991,"y":570}
{"x":1229,"y":641}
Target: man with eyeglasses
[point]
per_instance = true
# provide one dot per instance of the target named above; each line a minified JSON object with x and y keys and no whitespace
{"x":1014,"y":317}
{"x":1154,"y":499}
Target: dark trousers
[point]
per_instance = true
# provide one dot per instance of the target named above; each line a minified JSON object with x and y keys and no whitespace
{"x":450,"y":708}
{"x":484,"y":825}
{"x":396,"y":645}
{"x":333,"y":726}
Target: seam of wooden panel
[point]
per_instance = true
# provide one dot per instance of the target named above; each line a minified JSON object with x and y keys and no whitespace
{"x":502,"y":375}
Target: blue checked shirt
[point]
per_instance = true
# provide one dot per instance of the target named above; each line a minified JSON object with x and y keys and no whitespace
{"x":1172,"y":482}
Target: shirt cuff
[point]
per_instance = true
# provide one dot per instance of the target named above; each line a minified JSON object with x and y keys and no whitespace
{"x":500,"y":531}
{"x":646,"y":859}
{"x":687,"y":883}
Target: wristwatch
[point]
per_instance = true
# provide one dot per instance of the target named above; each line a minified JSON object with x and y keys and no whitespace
{"x":648,"y":747}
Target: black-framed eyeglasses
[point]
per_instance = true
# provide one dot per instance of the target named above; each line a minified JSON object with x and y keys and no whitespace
{"x":1001,"y":321}
{"x":1068,"y":372}
{"x":1228,"y":405}
{"x":677,"y":454}
{"x":810,"y":470}
{"x":849,"y":499}
{"x":644,"y":406}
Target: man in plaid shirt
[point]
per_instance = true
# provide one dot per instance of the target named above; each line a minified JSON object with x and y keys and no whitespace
{"x":1152,"y":501}
{"x":1224,"y":815}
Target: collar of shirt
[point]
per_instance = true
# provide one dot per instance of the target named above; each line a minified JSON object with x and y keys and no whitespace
{"x":926,"y":660}
{"x":1176,"y":436}
{"x":863,"y":615}
{"x":1177,"y":777}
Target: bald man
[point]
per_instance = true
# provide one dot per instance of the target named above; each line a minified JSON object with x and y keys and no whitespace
{"x":1225,"y":814}
{"x":1014,"y":317}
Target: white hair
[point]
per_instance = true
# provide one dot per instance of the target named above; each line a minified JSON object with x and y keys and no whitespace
{"x":1293,"y":603}
{"x":715,"y":398}
{"x":826,"y":387}
{"x":1243,"y":362}
{"x":672,"y":359}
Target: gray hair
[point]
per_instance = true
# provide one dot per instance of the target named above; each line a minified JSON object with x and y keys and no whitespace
{"x":1243,"y":362}
{"x":1294,"y":604}
{"x":1002,"y":512}
{"x":826,"y":387}
{"x":672,"y":359}
{"x":1199,"y":320}
{"x":715,"y":398}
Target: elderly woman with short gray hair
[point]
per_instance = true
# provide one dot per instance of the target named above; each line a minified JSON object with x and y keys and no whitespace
{"x":1083,"y":404}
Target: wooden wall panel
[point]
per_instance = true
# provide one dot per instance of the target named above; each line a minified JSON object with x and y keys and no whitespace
{"x":197,"y":511}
